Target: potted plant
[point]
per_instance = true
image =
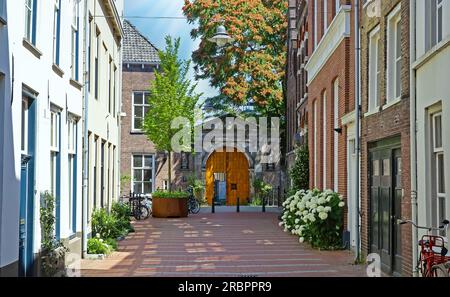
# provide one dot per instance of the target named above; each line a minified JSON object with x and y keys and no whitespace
{"x":169,"y":122}
{"x":173,"y":204}
{"x":53,"y":252}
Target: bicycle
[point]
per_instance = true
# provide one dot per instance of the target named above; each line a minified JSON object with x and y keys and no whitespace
{"x":434,"y":257}
{"x":193,"y":204}
{"x":140,"y":207}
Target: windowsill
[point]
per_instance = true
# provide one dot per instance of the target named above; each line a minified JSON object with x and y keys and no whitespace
{"x":372,"y":112}
{"x":137,"y":132}
{"x":57,"y":70}
{"x":76,"y":84}
{"x":32,"y":48}
{"x":431,"y":53}
{"x":392,"y":103}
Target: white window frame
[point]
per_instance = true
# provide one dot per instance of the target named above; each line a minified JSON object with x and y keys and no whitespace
{"x":438,"y":151}
{"x":374,"y":70}
{"x":142,"y":168}
{"x":71,"y":151}
{"x":56,"y":12}
{"x":393,"y":73}
{"x":336,"y":135}
{"x":24,"y":128}
{"x":316,"y":25}
{"x":29,"y":19}
{"x":143,"y":105}
{"x":325,"y":16}
{"x":55,"y":116}
{"x":74,"y":34}
{"x":439,"y":20}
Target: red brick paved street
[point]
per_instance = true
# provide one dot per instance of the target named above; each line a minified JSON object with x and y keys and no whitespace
{"x":222,"y":244}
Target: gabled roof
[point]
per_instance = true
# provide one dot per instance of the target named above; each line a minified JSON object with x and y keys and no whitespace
{"x":136,"y":47}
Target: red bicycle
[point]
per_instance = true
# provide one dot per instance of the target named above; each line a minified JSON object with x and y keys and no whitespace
{"x":434,"y":257}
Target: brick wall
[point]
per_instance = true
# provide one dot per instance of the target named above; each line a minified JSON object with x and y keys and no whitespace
{"x":138,"y":142}
{"x":394,"y":121}
{"x":339,"y":66}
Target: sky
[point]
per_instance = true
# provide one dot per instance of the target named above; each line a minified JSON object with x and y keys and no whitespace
{"x":156,"y":29}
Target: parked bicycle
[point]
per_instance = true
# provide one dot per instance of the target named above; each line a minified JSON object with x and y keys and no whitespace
{"x":434,"y":257}
{"x":193,"y":204}
{"x":141,"y":206}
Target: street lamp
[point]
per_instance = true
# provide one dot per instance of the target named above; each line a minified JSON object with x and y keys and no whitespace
{"x":221,"y":38}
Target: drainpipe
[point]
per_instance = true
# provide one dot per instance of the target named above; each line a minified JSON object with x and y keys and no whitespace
{"x":357,"y":128}
{"x":85,"y":130}
{"x":413,"y":134}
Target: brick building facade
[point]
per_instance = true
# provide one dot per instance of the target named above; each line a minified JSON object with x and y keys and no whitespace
{"x":331,"y":98}
{"x":296,"y":76}
{"x":145,"y":167}
{"x":385,"y":136}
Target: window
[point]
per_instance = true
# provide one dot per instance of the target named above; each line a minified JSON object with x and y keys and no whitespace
{"x":143,"y":175}
{"x":324,"y":139}
{"x":109,"y":85}
{"x":140,"y":109}
{"x":2,"y":10}
{"x":315,"y":24}
{"x":95,"y":171}
{"x":30,"y":20}
{"x":336,"y":135}
{"x":97,"y":62}
{"x":394,"y":55}
{"x":184,"y":161}
{"x":24,"y":125}
{"x":89,"y":54}
{"x":439,"y":169}
{"x":54,"y":150}
{"x":434,"y":19}
{"x":374,"y":70}
{"x":75,"y":41}
{"x":114,"y":90}
{"x":113,"y":195}
{"x":72,"y":151}
{"x":337,"y":5}
{"x":56,"y":30}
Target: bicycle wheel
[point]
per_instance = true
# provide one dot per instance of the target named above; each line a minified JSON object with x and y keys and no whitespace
{"x":195,"y":207}
{"x":145,"y":212}
{"x":439,"y":271}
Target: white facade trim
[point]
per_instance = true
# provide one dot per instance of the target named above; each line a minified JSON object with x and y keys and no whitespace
{"x":338,"y":30}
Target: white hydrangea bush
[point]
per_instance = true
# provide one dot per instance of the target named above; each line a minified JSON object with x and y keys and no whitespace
{"x":315,"y":217}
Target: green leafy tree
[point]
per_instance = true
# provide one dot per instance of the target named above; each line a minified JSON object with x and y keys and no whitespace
{"x":172,"y":95}
{"x":300,"y":171}
{"x":252,"y":68}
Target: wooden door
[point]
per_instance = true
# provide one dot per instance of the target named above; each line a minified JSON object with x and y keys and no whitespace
{"x":386,"y":194}
{"x":236,"y":169}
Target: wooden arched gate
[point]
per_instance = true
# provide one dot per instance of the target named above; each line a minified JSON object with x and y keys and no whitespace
{"x":233,"y":166}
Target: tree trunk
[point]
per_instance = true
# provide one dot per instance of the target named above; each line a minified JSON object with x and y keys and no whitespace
{"x":169,"y":172}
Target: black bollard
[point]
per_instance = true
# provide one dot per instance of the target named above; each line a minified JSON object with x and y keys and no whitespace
{"x":213,"y":210}
{"x":264,"y":203}
{"x":237,"y":205}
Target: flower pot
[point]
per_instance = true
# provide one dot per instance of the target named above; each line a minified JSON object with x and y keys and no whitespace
{"x":170,"y":207}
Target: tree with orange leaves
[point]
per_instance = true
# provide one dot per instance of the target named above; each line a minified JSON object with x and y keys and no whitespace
{"x":251,"y":69}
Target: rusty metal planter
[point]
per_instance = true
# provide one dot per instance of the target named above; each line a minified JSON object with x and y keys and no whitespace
{"x":170,"y":207}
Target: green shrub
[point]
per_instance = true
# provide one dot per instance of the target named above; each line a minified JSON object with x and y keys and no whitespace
{"x":121,"y":211}
{"x":97,"y":245}
{"x":299,"y":172}
{"x":105,"y":225}
{"x":316,"y":217}
{"x":112,"y":243}
{"x":173,"y":194}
